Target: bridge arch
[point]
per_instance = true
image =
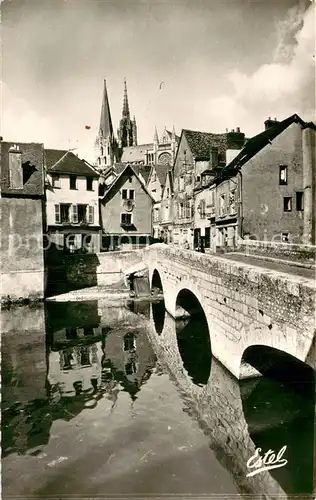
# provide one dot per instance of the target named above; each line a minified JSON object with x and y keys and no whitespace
{"x":279,"y":411}
{"x":281,"y":366}
{"x":193,"y":337}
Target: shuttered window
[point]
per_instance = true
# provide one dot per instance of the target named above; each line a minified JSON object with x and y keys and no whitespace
{"x":74,"y":213}
{"x":57,"y":214}
{"x":91,"y":215}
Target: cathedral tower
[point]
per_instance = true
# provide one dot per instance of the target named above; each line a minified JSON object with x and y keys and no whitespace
{"x":127,"y":132}
{"x":105,"y":143}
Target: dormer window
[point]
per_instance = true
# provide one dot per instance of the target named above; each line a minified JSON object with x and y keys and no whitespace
{"x":15,"y":168}
{"x":55,"y":181}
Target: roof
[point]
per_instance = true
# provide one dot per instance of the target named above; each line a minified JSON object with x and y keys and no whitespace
{"x":136,"y":153}
{"x":258,"y":142}
{"x":132,"y":169}
{"x":161,"y":171}
{"x":200,"y":143}
{"x":32,"y":165}
{"x":143,"y":170}
{"x":66,"y":162}
{"x":169,"y":175}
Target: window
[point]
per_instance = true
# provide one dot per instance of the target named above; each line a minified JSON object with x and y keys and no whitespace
{"x":285,"y":237}
{"x":168,"y":192}
{"x":126,"y":219}
{"x":57,"y":214}
{"x":198,"y":178}
{"x":104,"y":160}
{"x":89,"y":184}
{"x":283,"y":175}
{"x":73,"y":182}
{"x":128,"y":194}
{"x":75,"y":214}
{"x":156,"y":214}
{"x":129,"y":342}
{"x":180,"y":210}
{"x":154,"y":177}
{"x":181,"y":183}
{"x":55,"y":181}
{"x":201,"y":209}
{"x":101,"y":151}
{"x":287,"y":204}
{"x":299,"y":201}
{"x":232,"y":202}
{"x":82,"y":213}
{"x":130,"y":179}
{"x":64,"y":213}
{"x":222,"y":205}
{"x":130,"y":368}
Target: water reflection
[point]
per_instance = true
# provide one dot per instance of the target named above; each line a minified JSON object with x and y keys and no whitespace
{"x":237,"y":417}
{"x":277,"y":416}
{"x":158,"y":313}
{"x":85,"y":356}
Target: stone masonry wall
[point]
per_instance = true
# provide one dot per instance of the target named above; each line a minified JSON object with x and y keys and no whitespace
{"x":302,"y":253}
{"x":244,"y":305}
{"x":80,"y":271}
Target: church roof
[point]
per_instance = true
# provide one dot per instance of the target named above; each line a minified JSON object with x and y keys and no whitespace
{"x":161,"y":171}
{"x":106,"y":128}
{"x":65,"y":162}
{"x":136,"y":153}
{"x":143,"y":170}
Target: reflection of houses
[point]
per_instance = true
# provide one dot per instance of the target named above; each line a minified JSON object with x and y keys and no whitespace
{"x":72,"y":202}
{"x":198,"y":153}
{"x":22,"y":214}
{"x":126,"y":212}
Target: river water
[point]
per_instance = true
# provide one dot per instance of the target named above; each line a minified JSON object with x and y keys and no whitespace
{"x":122,"y":401}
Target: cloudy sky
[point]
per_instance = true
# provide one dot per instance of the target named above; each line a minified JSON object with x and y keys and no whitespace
{"x":224,"y":63}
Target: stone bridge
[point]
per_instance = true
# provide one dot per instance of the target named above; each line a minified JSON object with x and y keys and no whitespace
{"x":252,"y":312}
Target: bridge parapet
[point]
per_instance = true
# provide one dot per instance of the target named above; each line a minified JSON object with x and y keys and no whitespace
{"x":244,"y":305}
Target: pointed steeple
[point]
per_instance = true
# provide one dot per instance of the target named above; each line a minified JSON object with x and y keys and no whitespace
{"x":106,"y":129}
{"x":125,"y":113}
{"x":156,"y":140}
{"x":173,"y":136}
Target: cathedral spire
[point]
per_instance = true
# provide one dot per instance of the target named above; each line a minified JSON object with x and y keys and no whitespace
{"x":125,"y":112}
{"x":106,"y":129}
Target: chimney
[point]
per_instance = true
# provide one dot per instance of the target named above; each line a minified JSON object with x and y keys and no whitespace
{"x":213,"y":157}
{"x":238,"y":130}
{"x":270,"y":123}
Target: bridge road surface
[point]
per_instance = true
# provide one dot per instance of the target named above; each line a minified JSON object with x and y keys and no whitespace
{"x":281,"y":267}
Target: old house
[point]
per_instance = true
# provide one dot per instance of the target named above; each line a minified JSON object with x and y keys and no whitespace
{"x":267,"y":192}
{"x":22,"y":218}
{"x":197,"y":153}
{"x":166,"y":208}
{"x":126,"y":212}
{"x":72,"y":202}
{"x":155,"y":185}
{"x":204,"y":214}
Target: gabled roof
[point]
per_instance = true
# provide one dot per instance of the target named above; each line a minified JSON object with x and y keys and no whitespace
{"x":161,"y":171}
{"x":65,"y":162}
{"x":32,"y":165}
{"x":132,"y":170}
{"x":168,"y":176}
{"x":143,"y":170}
{"x":258,"y":142}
